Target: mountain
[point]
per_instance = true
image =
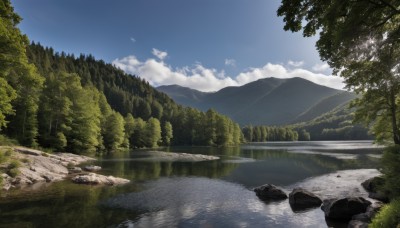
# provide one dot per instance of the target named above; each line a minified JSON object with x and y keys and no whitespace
{"x":268,"y":101}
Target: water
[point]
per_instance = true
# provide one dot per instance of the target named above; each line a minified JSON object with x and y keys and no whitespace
{"x":199,"y":194}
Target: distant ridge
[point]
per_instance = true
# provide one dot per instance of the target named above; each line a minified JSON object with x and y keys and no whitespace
{"x":268,"y":101}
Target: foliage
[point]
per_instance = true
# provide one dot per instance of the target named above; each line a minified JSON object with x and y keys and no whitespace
{"x":360,"y":40}
{"x":20,"y":84}
{"x":6,"y":141}
{"x":167,"y":133}
{"x":335,"y":125}
{"x":267,"y":133}
{"x":388,"y":216}
{"x":54,"y":100}
{"x":13,"y":168}
{"x":391,"y":170}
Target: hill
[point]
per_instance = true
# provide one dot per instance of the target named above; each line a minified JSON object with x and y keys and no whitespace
{"x":269,"y":101}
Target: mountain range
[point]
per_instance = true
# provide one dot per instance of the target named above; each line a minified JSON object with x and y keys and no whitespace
{"x":268,"y":101}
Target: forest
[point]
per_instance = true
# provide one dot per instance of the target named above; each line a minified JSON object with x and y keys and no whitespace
{"x":83,"y":105}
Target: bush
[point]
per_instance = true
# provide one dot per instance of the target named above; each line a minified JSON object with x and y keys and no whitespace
{"x":14,"y":165}
{"x":5,"y":141}
{"x":13,"y":172}
{"x":389,"y":216}
{"x":8,"y":152}
{"x":391,"y":170}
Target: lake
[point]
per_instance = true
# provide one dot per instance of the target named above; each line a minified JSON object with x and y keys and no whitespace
{"x":198,"y":194}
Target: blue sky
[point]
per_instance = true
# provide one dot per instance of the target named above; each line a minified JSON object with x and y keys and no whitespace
{"x":202,"y":44}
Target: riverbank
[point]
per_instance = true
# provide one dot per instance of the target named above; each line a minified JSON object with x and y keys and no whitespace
{"x":23,"y":166}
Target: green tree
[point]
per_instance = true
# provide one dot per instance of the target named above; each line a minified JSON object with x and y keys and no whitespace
{"x":20,"y":84}
{"x":360,"y":40}
{"x":167,"y":133}
{"x":129,"y":130}
{"x":114,"y":132}
{"x":85,"y":128}
{"x":152,"y":133}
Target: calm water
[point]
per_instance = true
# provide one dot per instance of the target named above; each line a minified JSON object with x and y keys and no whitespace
{"x":195,"y":194}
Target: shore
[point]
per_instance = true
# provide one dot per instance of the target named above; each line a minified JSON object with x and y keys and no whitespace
{"x":24,"y":166}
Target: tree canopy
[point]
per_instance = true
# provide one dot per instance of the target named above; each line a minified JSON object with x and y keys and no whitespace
{"x":360,"y":40}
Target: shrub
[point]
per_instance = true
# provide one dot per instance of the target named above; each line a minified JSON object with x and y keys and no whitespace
{"x":8,"y":152}
{"x":14,"y":165}
{"x":388,"y":216}
{"x":25,"y":160}
{"x":5,"y":141}
{"x":13,"y":172}
{"x":391,"y":170}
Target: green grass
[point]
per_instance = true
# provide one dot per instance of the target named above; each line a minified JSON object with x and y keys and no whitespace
{"x":13,"y":170}
{"x":5,"y":141}
{"x":389,"y":216}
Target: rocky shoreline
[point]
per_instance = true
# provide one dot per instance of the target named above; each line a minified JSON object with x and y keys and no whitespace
{"x":345,"y":202}
{"x":35,"y":166}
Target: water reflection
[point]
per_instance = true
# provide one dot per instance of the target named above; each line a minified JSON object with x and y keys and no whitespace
{"x":208,"y":193}
{"x":206,"y":202}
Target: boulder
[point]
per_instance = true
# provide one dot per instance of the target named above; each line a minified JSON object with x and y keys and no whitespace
{"x":303,"y":199}
{"x":345,"y":208}
{"x":373,"y":187}
{"x":94,"y":179}
{"x":92,"y":168}
{"x":372,"y":184}
{"x":270,"y":192}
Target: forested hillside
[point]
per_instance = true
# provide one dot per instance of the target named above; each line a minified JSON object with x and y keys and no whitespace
{"x":268,"y":101}
{"x":81,"y":104}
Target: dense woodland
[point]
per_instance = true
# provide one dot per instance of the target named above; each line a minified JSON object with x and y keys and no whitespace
{"x":267,"y":133}
{"x":81,"y":104}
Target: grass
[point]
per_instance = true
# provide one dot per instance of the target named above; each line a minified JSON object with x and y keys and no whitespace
{"x":13,"y":170}
{"x":5,"y":141}
{"x":389,"y":216}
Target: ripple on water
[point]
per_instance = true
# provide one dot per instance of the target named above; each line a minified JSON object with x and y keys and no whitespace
{"x":194,"y":201}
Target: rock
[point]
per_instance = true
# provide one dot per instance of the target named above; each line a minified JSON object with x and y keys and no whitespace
{"x":75,"y":170}
{"x":373,"y":186}
{"x":92,"y":168}
{"x":303,"y":199}
{"x":344,"y":208}
{"x":357,"y":224}
{"x":270,"y":192}
{"x":94,"y":179}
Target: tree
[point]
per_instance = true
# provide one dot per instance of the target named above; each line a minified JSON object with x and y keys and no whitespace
{"x":152,"y":133}
{"x":129,"y":130}
{"x":114,"y":132}
{"x":20,"y":83}
{"x":167,"y":133}
{"x":360,"y":40}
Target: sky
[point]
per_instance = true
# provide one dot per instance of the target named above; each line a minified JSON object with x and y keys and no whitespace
{"x":202,"y":44}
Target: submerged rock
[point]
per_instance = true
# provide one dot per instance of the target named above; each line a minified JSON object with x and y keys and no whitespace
{"x":357,"y":224}
{"x":92,"y":168}
{"x":75,"y":170}
{"x":345,"y":208}
{"x":94,"y":179}
{"x":270,"y":192}
{"x":303,"y":199}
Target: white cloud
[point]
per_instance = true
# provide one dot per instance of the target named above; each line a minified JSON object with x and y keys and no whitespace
{"x":320,"y":67}
{"x":230,"y":62}
{"x":157,"y":72}
{"x":159,"y":54}
{"x":296,"y":63}
{"x":133,"y":40}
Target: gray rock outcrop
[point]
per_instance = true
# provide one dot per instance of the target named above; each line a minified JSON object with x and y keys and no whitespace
{"x":95,"y":179}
